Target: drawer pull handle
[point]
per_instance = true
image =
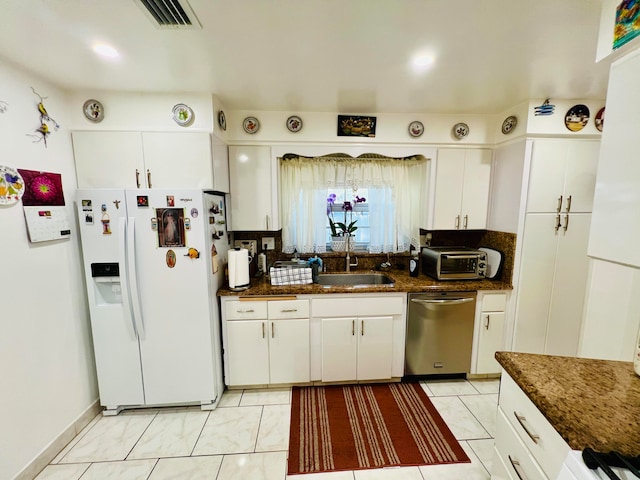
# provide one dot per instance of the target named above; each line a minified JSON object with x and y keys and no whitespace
{"x":521,"y":420}
{"x":289,"y":310}
{"x":262,"y":329}
{"x":273,"y":329}
{"x":517,"y":468}
{"x":251,"y":310}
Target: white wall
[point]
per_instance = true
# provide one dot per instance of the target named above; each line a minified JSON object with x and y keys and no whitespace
{"x":46,"y":364}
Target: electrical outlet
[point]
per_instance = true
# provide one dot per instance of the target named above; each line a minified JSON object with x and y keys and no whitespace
{"x":270,"y":243}
{"x":251,"y":245}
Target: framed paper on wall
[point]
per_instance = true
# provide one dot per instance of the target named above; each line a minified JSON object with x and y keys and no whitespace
{"x":627,"y":24}
{"x":356,"y":126}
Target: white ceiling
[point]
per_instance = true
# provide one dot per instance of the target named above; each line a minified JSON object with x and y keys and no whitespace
{"x":320,"y":55}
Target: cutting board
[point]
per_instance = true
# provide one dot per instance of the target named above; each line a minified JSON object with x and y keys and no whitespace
{"x":495,"y":259}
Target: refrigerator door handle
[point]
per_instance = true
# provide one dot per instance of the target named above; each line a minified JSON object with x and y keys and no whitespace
{"x":133,"y":277}
{"x":124,"y":280}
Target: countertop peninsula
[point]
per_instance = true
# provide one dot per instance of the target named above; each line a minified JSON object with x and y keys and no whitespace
{"x":590,"y":403}
{"x":403,"y":282}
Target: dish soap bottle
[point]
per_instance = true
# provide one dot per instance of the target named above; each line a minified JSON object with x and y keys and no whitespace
{"x":414,"y":265}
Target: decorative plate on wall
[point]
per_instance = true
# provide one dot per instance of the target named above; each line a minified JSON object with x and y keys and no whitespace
{"x":577,"y":117}
{"x":509,"y":124}
{"x":460,"y":130}
{"x":222,"y":120}
{"x":599,"y":120}
{"x":251,"y":125}
{"x":93,"y":110}
{"x":182,"y":115}
{"x":416,"y":129}
{"x":294,"y":123}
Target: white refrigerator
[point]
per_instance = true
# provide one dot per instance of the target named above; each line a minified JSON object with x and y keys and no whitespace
{"x":154,"y":260}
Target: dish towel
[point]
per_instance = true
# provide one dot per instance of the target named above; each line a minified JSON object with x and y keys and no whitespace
{"x":290,"y":276}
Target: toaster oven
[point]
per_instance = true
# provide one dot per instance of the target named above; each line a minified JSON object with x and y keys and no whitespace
{"x":454,"y":263}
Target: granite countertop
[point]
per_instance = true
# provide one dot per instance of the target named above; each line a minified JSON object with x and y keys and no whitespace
{"x":403,"y":283}
{"x":591,"y":403}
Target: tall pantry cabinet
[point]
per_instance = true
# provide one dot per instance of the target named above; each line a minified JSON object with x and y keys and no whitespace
{"x":553,"y":261}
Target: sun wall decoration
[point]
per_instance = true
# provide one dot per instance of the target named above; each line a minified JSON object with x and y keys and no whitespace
{"x":44,"y":130}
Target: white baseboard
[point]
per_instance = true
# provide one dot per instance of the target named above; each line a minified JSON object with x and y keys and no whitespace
{"x":33,"y":468}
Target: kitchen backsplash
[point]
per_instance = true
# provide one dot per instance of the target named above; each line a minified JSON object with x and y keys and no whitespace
{"x":334,"y":261}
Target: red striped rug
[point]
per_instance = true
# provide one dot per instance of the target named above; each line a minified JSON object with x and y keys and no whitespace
{"x":356,"y":427}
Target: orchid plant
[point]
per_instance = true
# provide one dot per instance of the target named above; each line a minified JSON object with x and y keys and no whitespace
{"x":343,"y":228}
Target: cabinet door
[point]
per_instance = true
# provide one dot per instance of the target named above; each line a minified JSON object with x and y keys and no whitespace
{"x":537,"y":268}
{"x":546,"y":175}
{"x":289,"y":351}
{"x":108,"y":159}
{"x":220,"y":165}
{"x":339,"y":343}
{"x":250,"y":182}
{"x":569,"y":287}
{"x":248,"y":352}
{"x":177,"y":160}
{"x":580,"y":180}
{"x":475,"y":190}
{"x":448,"y":189}
{"x":489,"y":341}
{"x":375,"y":347}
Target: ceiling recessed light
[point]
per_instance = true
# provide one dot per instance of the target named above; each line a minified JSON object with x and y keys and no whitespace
{"x":105,"y":50}
{"x":422,"y":62}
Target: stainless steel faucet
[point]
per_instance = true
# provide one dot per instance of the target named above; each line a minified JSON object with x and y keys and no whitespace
{"x":348,"y":258}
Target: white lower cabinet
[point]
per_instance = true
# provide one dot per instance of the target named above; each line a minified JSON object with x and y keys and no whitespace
{"x":357,"y":348}
{"x":526,"y":444}
{"x":266,"y":342}
{"x":489,"y":330}
{"x":359,"y":337}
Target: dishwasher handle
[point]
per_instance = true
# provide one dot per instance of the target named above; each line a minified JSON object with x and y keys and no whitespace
{"x":454,"y":301}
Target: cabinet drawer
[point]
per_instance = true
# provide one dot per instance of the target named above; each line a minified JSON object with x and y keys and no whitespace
{"x":245,"y":310}
{"x":513,"y":454}
{"x":357,"y":306}
{"x":288,"y":309}
{"x":494,"y":302}
{"x":540,"y":438}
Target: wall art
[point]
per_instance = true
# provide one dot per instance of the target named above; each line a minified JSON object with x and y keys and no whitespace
{"x":294,"y":123}
{"x":3,"y":106}
{"x":416,"y":129}
{"x":627,"y":26}
{"x":356,"y":126}
{"x":222,"y":120}
{"x":460,"y":130}
{"x":43,"y":131}
{"x":182,"y":115}
{"x":599,"y":120}
{"x":251,"y":125}
{"x":577,"y":117}
{"x":545,"y":109}
{"x":42,"y":188}
{"x":93,"y":110}
{"x":11,"y":185}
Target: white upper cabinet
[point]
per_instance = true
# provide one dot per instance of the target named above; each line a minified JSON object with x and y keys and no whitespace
{"x":253,"y":188}
{"x":462,"y":183}
{"x":143,"y":160}
{"x":562,"y":176}
{"x":220,"y":165}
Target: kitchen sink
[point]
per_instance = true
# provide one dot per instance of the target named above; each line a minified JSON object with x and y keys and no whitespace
{"x":354,"y":279}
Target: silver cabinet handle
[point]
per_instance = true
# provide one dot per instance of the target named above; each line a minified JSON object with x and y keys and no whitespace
{"x":262,"y":329}
{"x":466,"y":221}
{"x":353,"y":327}
{"x":273,"y":329}
{"x":558,"y":224}
{"x":486,"y":325}
{"x":138,"y":178}
{"x":267,"y":220}
{"x":517,"y":468}
{"x":148,"y":178}
{"x":568,"y":203}
{"x":566,"y":222}
{"x":521,"y":420}
{"x":559,"y":204}
{"x":362,"y":328}
{"x":457,"y":222}
{"x":245,"y":311}
{"x":288,"y":310}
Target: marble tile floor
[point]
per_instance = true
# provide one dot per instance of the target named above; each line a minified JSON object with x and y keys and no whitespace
{"x":246,"y":438}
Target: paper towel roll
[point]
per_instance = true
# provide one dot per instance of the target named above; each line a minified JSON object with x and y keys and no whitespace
{"x":239,"y":269}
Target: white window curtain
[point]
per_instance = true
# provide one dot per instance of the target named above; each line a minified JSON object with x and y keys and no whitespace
{"x":397,"y":199}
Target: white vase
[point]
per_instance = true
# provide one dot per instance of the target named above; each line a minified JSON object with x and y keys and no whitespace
{"x":339,"y":243}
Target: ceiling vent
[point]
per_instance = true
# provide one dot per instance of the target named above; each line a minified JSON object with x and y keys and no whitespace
{"x":170,"y":14}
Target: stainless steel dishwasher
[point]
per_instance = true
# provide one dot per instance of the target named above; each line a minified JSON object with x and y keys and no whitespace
{"x":439,"y":333}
